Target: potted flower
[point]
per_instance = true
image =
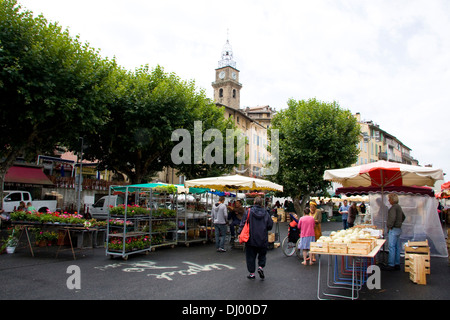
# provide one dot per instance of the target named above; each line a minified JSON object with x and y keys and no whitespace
{"x":40,"y":238}
{"x":12,"y":242}
{"x":51,"y":237}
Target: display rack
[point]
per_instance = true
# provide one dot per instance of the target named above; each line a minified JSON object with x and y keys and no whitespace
{"x":164,"y":219}
{"x":147,"y":220}
{"x":194,"y":223}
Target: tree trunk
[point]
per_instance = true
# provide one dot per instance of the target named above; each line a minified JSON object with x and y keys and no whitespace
{"x":2,"y":181}
{"x":300,"y":203}
{"x":297,"y":207}
{"x":4,"y":167}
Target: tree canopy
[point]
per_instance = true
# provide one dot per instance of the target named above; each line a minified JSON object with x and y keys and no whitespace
{"x":314,"y":136}
{"x":50,"y":85}
{"x":148,"y":106}
{"x":56,"y":89}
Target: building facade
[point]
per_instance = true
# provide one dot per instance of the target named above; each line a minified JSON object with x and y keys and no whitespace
{"x":376,"y":144}
{"x":227,"y":92}
{"x":261,"y":114}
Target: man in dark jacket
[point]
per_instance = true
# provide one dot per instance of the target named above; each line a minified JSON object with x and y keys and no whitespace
{"x":394,"y":223}
{"x":260,"y":223}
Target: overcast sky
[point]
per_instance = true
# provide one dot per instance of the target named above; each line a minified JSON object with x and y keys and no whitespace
{"x":387,"y":59}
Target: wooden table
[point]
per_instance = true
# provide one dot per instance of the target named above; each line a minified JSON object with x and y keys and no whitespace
{"x":67,"y":229}
{"x":341,"y":279}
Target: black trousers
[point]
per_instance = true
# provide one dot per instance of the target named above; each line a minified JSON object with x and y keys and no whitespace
{"x":251,"y":253}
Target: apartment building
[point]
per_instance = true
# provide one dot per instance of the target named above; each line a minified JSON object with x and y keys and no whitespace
{"x":376,"y":144}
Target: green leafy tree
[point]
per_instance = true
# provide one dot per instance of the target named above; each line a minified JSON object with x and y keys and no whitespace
{"x":314,"y":136}
{"x":148,"y":106}
{"x":211,"y":117}
{"x":52,"y":86}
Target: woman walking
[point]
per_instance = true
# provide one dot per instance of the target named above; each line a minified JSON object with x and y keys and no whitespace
{"x":256,"y":247}
{"x":307,"y":235}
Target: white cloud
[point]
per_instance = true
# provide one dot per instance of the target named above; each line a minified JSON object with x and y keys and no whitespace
{"x":388,"y":60}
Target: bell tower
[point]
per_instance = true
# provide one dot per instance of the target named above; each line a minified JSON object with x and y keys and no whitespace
{"x":227,"y":87}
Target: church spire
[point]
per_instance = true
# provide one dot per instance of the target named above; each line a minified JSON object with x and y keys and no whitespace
{"x":227,"y":56}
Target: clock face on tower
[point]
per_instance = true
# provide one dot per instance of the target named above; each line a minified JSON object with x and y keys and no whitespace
{"x":234,"y":75}
{"x":222,"y":75}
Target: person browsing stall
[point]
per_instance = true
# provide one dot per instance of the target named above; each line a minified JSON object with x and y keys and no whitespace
{"x":236,"y":216}
{"x":307,"y":235}
{"x":343,"y":210}
{"x":219,"y":217}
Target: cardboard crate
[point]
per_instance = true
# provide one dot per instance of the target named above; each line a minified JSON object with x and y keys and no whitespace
{"x":282,"y":216}
{"x":318,"y":247}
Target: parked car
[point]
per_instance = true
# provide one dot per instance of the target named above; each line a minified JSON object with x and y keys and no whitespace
{"x":99,"y":210}
{"x":12,"y":199}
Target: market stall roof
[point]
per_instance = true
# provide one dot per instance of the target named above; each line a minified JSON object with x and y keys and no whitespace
{"x":135,"y":187}
{"x":27,"y":175}
{"x":402,"y":189}
{"x":234,"y":182}
{"x":182,"y":189}
{"x":383,"y":174}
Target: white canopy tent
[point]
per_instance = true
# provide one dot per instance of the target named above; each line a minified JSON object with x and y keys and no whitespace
{"x":234,"y":182}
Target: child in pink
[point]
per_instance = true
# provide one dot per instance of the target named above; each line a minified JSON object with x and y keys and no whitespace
{"x":307,"y":235}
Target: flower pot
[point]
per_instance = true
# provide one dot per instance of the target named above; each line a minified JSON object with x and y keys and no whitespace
{"x":10,"y":249}
{"x":42,"y":243}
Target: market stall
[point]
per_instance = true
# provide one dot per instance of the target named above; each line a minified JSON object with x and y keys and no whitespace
{"x":235,"y":183}
{"x":420,"y":208}
{"x":147,"y":220}
{"x":193,"y":223}
{"x":56,"y":229}
{"x":384,"y":174}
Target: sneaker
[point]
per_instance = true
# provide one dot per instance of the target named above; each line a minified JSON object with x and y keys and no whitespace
{"x":251,"y":276}
{"x":261,"y":273}
{"x":222,"y":250}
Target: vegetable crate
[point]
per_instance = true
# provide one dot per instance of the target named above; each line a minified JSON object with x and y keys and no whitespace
{"x":419,"y":248}
{"x":362,"y":246}
{"x":318,"y":247}
{"x":417,"y":268}
{"x":337,"y":248}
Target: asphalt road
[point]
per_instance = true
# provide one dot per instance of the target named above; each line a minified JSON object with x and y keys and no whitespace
{"x":190,"y":274}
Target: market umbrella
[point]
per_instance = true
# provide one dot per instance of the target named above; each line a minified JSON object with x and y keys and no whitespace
{"x":234,"y":182}
{"x":383,"y":173}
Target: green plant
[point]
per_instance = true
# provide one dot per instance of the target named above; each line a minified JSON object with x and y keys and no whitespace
{"x":12,"y":240}
{"x":132,"y":210}
{"x":163,"y":213}
{"x":49,"y":236}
